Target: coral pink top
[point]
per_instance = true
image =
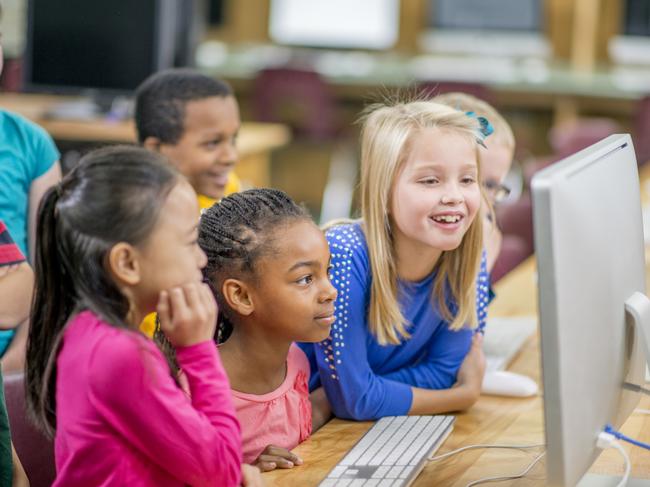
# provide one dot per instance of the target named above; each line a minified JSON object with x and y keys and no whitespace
{"x":281,"y":417}
{"x":122,"y":420}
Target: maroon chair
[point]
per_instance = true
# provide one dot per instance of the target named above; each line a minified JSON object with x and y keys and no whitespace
{"x":514,"y":250}
{"x":517,"y":219}
{"x":298,"y":98}
{"x":35,"y":450}
{"x":568,"y":138}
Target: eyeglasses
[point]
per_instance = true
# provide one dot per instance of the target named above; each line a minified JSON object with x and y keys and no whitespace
{"x":497,"y":191}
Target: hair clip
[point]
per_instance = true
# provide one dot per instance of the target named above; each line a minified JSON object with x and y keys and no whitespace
{"x":486,"y":127}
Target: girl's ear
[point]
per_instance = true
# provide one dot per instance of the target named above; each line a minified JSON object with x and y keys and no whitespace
{"x":124,"y":265}
{"x":238,"y":296}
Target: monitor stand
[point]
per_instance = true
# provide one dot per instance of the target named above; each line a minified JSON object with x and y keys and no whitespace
{"x":91,"y":106}
{"x":594,"y":480}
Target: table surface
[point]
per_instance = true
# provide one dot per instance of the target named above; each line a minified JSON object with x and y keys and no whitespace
{"x":490,"y":420}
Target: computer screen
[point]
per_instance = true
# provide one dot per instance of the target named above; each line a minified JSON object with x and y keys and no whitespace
{"x":359,"y":24}
{"x":591,"y":269}
{"x":637,"y":18}
{"x":504,"y":28}
{"x":523,"y":15}
{"x":74,"y":45}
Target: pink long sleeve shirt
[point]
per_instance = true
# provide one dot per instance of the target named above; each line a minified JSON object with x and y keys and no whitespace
{"x":122,"y":420}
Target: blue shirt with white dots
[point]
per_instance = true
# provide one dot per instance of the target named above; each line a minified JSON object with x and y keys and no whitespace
{"x":363,"y":379}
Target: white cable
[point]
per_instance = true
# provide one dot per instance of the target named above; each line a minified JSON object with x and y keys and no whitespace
{"x":628,"y":465}
{"x":607,"y":440}
{"x":472,"y":447}
{"x":642,"y":411}
{"x":508,"y":477}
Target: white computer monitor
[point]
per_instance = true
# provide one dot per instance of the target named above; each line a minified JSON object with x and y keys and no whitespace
{"x":509,"y":28}
{"x":594,"y":314}
{"x":360,"y":24}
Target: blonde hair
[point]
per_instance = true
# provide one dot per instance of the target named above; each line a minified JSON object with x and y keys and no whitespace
{"x":468,"y":103}
{"x":385,"y":137}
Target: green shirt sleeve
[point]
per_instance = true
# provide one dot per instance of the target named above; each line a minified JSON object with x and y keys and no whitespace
{"x":6,"y":463}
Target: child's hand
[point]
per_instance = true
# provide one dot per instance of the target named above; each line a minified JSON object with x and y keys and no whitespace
{"x":276,"y":457}
{"x":251,"y":476}
{"x":470,"y":374}
{"x":187,"y":314}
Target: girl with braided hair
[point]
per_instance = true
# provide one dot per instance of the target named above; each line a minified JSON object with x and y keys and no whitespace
{"x":268,"y":267}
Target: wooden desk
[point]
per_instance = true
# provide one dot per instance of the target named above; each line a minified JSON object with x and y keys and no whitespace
{"x":490,"y":420}
{"x":254,"y":144}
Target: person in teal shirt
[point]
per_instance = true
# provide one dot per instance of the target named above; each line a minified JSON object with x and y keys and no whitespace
{"x":29,"y":165}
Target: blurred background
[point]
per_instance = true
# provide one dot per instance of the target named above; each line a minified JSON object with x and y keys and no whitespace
{"x":563,"y":73}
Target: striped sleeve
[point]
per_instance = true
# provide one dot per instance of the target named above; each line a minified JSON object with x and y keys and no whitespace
{"x":9,"y":252}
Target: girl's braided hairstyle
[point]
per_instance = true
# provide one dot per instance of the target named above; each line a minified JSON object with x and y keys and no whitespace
{"x":236,"y":232}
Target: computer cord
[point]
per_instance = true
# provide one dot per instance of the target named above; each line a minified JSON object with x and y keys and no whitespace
{"x":620,"y":436}
{"x":508,"y":477}
{"x":608,"y":440}
{"x":500,"y":478}
{"x":474,"y":447}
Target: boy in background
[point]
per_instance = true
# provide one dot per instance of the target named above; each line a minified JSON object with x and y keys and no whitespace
{"x":193,"y":120}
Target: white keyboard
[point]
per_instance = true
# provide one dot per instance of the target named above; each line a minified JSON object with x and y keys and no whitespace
{"x":391,"y":453}
{"x":503,"y":338}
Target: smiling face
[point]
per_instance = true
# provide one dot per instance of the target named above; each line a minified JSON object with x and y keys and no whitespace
{"x":293,"y":296}
{"x":206,"y":153}
{"x":435,"y":194}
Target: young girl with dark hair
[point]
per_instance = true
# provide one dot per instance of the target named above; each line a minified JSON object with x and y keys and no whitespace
{"x":117,"y":240}
{"x":268,"y":266}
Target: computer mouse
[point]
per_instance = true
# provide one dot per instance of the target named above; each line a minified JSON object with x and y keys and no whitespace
{"x":504,"y":383}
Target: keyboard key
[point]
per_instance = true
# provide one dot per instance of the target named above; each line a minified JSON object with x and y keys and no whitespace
{"x":389,"y":447}
{"x":398,"y":455}
{"x":425,"y":436}
{"x":441,"y":427}
{"x":337,"y":472}
{"x":377,"y":445}
{"x":372,"y":434}
{"x":394,"y":472}
{"x":381,"y":472}
{"x":406,"y":472}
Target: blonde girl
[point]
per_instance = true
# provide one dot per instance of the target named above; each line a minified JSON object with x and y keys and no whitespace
{"x":406,"y":274}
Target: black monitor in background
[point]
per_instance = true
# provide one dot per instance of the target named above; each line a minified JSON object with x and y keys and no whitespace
{"x":637,"y":18}
{"x":216,"y":12}
{"x":109,"y":47}
{"x":506,"y":15}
